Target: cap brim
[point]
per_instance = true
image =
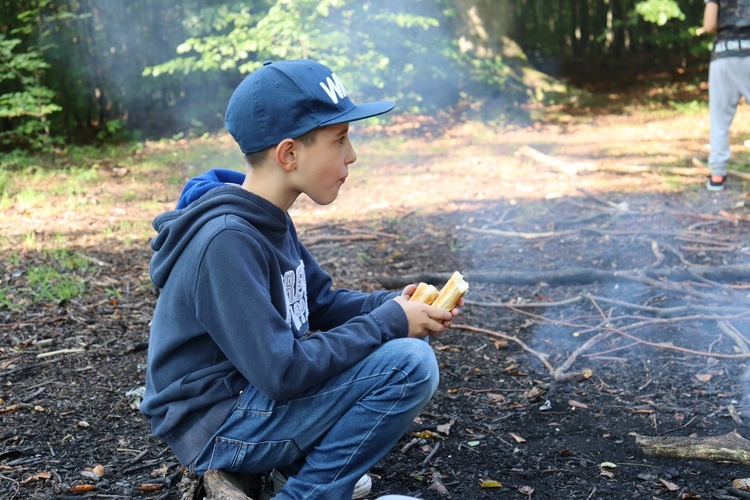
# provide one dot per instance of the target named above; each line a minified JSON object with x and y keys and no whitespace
{"x":362,"y":111}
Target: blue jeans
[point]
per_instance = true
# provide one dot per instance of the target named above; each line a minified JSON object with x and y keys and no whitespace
{"x":331,"y":434}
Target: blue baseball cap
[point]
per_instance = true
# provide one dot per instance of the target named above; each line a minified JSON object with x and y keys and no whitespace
{"x":285,"y":99}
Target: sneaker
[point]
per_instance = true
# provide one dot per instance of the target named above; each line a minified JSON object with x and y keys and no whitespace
{"x":716,"y":182}
{"x":397,"y":497}
{"x":276,"y":480}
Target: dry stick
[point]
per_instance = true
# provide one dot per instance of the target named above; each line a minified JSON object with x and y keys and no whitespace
{"x":678,"y":254}
{"x":657,"y":253}
{"x":559,"y":373}
{"x":514,"y":234}
{"x":431,"y":454}
{"x":735,"y":335}
{"x":672,"y":287}
{"x":530,"y":305}
{"x":329,"y":237}
{"x":729,"y":447}
{"x":671,"y":347}
{"x":708,"y":241}
{"x":667,"y":311}
{"x":696,"y":236}
{"x":438,"y":485}
{"x":542,"y":357}
{"x":603,"y":201}
{"x":572,"y":276}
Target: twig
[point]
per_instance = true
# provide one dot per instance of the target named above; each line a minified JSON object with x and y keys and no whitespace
{"x":559,"y":373}
{"x":431,"y":454}
{"x":438,"y":485}
{"x":16,"y":485}
{"x":657,"y":253}
{"x":523,"y":305}
{"x":337,"y":238}
{"x":60,"y":351}
{"x":515,"y":234}
{"x":408,"y":446}
{"x":668,"y":311}
{"x":736,"y":336}
{"x":542,"y":357}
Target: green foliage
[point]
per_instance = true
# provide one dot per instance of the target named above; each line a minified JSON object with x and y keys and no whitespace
{"x":347,"y":35}
{"x":28,"y":104}
{"x":659,"y":12}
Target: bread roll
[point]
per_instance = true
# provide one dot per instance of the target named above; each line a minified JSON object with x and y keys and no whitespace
{"x":425,"y":293}
{"x":452,"y":292}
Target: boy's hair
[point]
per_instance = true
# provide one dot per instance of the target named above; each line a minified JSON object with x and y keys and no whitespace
{"x":288,"y":99}
{"x":257,"y":158}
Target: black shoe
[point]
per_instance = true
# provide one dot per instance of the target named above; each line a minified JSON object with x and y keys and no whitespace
{"x":716,"y":182}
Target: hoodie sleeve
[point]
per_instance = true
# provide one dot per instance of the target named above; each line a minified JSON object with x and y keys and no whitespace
{"x":244,"y":307}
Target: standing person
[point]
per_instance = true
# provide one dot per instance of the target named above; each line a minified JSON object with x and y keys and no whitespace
{"x":728,"y":77}
{"x":255,"y":361}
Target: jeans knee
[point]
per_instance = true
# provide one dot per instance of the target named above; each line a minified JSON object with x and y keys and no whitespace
{"x":419,"y":363}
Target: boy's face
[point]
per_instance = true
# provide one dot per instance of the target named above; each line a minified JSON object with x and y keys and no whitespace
{"x":324,"y":165}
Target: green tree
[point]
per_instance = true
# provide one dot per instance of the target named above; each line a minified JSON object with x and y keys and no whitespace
{"x":415,"y":58}
{"x":25,"y":102}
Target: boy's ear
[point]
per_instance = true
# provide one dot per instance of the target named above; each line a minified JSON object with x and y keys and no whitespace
{"x":286,"y":154}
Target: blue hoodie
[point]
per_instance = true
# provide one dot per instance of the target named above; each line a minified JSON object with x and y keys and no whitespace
{"x":243,"y":302}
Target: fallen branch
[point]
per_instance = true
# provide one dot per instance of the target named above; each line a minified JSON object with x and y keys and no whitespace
{"x":542,"y":357}
{"x":524,"y":305}
{"x":577,"y":276}
{"x":222,"y":486}
{"x":670,"y":311}
{"x":730,"y":447}
{"x":575,"y":168}
{"x":514,"y":234}
{"x":735,"y":335}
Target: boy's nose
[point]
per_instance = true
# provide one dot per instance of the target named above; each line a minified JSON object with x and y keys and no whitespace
{"x":351,"y":156}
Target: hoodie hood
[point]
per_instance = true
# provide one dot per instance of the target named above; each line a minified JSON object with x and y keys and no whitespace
{"x":208,"y":199}
{"x":198,"y":186}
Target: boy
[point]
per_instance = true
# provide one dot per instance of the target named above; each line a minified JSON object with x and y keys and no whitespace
{"x":254,"y":361}
{"x":728,"y":77}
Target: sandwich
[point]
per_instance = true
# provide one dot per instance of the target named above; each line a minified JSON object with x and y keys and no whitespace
{"x":449,"y":295}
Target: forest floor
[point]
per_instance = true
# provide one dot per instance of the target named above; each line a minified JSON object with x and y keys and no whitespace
{"x":609,"y":298}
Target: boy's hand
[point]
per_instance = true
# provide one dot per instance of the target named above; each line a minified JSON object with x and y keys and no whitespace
{"x":425,"y":320}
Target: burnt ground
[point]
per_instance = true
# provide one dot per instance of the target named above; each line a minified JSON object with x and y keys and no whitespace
{"x":646,"y":265}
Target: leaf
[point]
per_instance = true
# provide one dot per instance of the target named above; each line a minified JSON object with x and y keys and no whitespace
{"x":526,"y":490}
{"x":149,"y":487}
{"x":490,"y":483}
{"x":518,"y":438}
{"x":577,"y":404}
{"x":427,"y":434}
{"x":669,"y":485}
{"x":446,"y":428}
{"x":10,"y":408}
{"x":608,"y":465}
{"x":82,"y":488}
{"x":473,"y":443}
{"x":495,"y":398}
{"x":34,"y":478}
{"x":704,"y":377}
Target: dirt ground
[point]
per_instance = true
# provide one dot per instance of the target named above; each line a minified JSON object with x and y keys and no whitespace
{"x":609,"y":298}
